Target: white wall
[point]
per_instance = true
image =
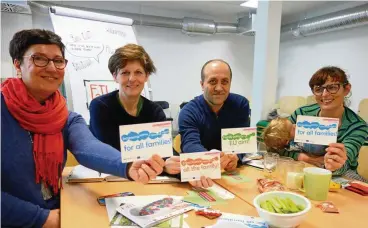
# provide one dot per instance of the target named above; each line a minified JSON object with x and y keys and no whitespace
{"x":300,"y":58}
{"x":10,"y":24}
{"x":179,"y":59}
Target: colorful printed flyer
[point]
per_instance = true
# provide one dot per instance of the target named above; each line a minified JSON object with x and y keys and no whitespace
{"x":316,"y":130}
{"x":141,"y":141}
{"x":118,"y":220}
{"x":195,"y":165}
{"x":150,"y":213}
{"x":239,"y":140}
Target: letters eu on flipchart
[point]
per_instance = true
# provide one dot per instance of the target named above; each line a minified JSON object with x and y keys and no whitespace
{"x":89,"y":45}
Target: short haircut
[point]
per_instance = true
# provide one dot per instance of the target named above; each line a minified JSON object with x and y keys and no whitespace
{"x":23,"y":39}
{"x":203,"y":76}
{"x":276,"y":134}
{"x":130,"y":52}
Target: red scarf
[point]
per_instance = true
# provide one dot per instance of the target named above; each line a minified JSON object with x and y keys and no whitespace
{"x":46,"y":122}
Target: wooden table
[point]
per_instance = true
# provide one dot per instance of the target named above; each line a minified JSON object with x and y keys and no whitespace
{"x":352,"y":207}
{"x":79,"y":207}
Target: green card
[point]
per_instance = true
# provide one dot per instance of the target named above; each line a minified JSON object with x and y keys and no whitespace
{"x":203,"y":198}
{"x":235,"y":177}
{"x":121,"y":220}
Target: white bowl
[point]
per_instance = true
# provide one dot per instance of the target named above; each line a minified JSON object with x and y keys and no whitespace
{"x":282,"y":220}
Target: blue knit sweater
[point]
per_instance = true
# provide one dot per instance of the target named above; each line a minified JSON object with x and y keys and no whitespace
{"x":200,"y":128}
{"x":22,"y":202}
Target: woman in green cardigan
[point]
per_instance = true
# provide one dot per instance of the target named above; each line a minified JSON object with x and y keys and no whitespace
{"x":330,"y":86}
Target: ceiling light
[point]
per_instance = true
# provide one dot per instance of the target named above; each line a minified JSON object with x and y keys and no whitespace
{"x":250,"y":4}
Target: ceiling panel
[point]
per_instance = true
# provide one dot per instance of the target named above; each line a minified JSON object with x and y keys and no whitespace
{"x":206,"y":9}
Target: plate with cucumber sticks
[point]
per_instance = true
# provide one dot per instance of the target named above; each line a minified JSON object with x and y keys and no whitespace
{"x":281,"y":208}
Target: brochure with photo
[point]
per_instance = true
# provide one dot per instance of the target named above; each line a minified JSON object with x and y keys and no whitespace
{"x":152,"y":210}
{"x":118,"y":220}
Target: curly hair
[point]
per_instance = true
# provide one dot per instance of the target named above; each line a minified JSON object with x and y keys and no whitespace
{"x":276,"y":134}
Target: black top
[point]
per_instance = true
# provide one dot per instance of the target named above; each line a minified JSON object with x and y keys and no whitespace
{"x":107,"y":114}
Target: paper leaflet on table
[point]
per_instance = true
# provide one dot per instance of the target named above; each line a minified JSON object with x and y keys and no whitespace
{"x":235,"y":176}
{"x":340,"y":180}
{"x":254,"y":163}
{"x":210,"y":196}
{"x":316,"y":130}
{"x":141,"y":141}
{"x":228,"y":220}
{"x":195,"y":165}
{"x":239,"y":140}
{"x":82,"y":174}
{"x":149,"y":211}
{"x":118,"y":220}
{"x":221,"y":192}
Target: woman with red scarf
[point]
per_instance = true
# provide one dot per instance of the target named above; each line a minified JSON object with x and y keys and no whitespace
{"x":37,"y":129}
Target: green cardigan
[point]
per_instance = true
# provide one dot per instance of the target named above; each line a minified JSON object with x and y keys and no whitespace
{"x":353,"y":133}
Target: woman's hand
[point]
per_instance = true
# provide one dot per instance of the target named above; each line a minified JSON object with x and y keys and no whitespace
{"x":145,"y":170}
{"x":172,"y":165}
{"x":335,"y":157}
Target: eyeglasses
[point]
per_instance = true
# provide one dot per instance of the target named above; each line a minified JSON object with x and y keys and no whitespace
{"x":332,"y":89}
{"x":43,"y":61}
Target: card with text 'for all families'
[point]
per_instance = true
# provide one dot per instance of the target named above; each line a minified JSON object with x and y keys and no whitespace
{"x":195,"y":165}
{"x":239,"y":140}
{"x":316,"y":130}
{"x":141,"y":141}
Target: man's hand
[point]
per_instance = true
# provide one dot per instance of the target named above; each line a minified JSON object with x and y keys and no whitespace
{"x":335,"y":157}
{"x":146,"y":170}
{"x":172,"y":165}
{"x":224,"y":160}
{"x":229,"y":162}
{"x":53,"y":220}
{"x":204,"y":182}
{"x":233,"y":162}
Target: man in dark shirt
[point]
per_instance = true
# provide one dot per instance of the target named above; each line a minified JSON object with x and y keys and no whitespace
{"x":201,"y":120}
